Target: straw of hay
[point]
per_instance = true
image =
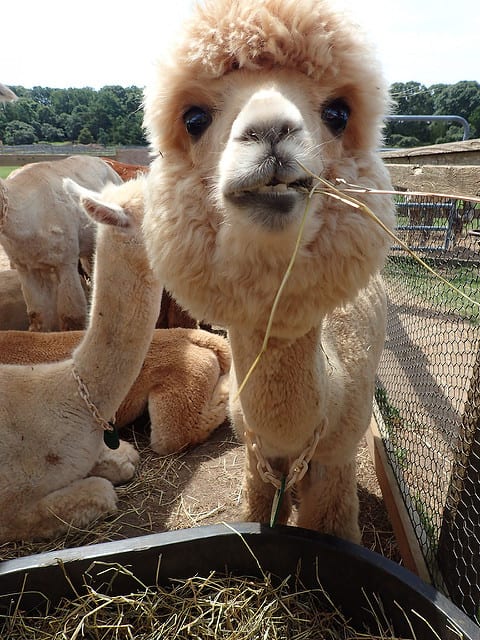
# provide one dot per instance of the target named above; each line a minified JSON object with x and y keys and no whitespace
{"x":325,"y":187}
{"x":215,"y":607}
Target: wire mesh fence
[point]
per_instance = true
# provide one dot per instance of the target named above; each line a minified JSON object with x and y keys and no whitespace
{"x":428,"y":387}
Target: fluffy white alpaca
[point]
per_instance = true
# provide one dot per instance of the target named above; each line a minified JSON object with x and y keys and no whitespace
{"x":55,"y":470}
{"x":250,"y":89}
{"x":45,"y":234}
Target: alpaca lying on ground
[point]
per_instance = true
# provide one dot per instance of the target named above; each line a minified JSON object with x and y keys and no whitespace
{"x":14,"y":315}
{"x":183,"y":381}
{"x":45,"y":234}
{"x":55,"y":470}
{"x":250,"y":90}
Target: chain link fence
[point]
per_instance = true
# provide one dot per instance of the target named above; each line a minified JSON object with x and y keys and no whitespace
{"x":428,"y":387}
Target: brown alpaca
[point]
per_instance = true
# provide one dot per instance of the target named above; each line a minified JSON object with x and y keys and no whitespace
{"x":255,"y":98}
{"x":183,"y":382}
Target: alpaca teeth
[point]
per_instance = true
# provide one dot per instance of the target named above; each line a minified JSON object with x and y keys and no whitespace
{"x":277,"y":188}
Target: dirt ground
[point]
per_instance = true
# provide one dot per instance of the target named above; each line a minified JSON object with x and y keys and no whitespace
{"x":200,"y":487}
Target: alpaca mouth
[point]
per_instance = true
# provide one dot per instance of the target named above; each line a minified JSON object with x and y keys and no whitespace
{"x":274,"y":196}
{"x":276,"y":187}
{"x":271,"y":204}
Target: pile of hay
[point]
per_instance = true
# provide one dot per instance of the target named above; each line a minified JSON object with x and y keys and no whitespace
{"x":215,"y":607}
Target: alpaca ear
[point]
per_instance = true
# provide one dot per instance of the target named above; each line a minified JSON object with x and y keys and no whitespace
{"x":96,"y":207}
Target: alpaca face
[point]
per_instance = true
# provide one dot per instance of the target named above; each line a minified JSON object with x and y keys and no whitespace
{"x":259,"y":176}
{"x":260,"y":173}
{"x":241,"y":129}
{"x":275,"y":131}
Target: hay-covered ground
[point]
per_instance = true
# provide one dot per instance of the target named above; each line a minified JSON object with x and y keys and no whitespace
{"x":199,"y":487}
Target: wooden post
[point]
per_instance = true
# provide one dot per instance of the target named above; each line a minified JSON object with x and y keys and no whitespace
{"x":402,"y":525}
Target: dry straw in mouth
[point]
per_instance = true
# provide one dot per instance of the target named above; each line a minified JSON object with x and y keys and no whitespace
{"x":324,"y":187}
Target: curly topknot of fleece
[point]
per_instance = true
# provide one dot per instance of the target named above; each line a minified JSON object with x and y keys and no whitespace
{"x":251,"y":34}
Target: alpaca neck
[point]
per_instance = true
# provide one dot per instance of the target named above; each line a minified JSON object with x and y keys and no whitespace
{"x":125,"y":306}
{"x":284,"y":399}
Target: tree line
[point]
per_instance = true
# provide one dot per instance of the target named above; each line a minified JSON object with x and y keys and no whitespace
{"x":112,"y":115}
{"x":412,"y":98}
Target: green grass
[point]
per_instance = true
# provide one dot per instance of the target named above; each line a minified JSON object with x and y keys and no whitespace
{"x":418,"y":282}
{"x":5,"y":171}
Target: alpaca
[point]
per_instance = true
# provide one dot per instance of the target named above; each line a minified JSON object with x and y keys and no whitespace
{"x":6,"y":94}
{"x":183,"y":382}
{"x":254,"y":98}
{"x":125,"y":170}
{"x":45,"y":234}
{"x":171,"y":314}
{"x":55,"y":471}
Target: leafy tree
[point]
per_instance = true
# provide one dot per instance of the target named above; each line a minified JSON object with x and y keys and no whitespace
{"x":102,"y":137}
{"x":396,"y":140}
{"x":85,"y":136}
{"x":42,"y":95}
{"x":24,"y":110}
{"x":76,"y":121}
{"x":45,"y":114}
{"x":409,"y":98}
{"x":17,"y":132}
{"x":475,"y":123}
{"x":49,"y":133}
{"x":460,"y":99}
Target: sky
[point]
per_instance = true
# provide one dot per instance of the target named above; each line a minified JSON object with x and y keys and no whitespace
{"x":95,"y":43}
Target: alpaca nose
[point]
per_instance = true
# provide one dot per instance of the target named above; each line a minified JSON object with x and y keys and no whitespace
{"x":270,"y":132}
{"x":268,"y":117}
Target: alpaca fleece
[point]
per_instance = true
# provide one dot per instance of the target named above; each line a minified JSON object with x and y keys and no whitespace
{"x":254,"y":99}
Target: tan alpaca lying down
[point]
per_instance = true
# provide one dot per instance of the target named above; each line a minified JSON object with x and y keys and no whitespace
{"x":183,"y":382}
{"x":14,"y":316}
{"x":253,"y":99}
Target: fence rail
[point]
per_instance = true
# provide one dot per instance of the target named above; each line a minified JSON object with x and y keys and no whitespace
{"x":19,"y":155}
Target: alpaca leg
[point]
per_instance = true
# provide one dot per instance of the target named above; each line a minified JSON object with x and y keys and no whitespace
{"x":214,"y":412}
{"x":258,"y":495}
{"x":39,"y":291}
{"x":76,"y":505}
{"x":171,"y":419}
{"x":71,"y":299}
{"x":117,"y":465}
{"x":329,"y":501}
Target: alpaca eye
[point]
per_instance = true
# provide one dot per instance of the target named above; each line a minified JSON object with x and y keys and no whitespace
{"x":335,"y":115}
{"x":197,"y":120}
